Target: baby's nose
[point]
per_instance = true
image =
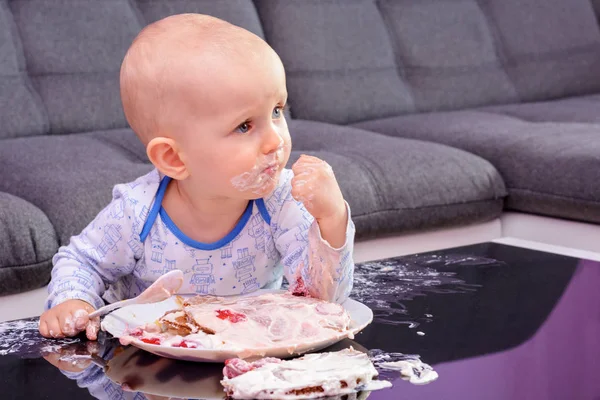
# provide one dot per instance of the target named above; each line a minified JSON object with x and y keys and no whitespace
{"x":273,"y":142}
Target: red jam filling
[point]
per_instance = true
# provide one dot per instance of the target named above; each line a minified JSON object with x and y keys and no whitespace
{"x":230,"y":316}
{"x":151,"y":340}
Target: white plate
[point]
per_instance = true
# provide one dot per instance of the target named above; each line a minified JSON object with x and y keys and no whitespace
{"x":119,"y":321}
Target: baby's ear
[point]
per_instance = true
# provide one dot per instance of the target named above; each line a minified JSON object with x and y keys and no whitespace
{"x":164,"y":154}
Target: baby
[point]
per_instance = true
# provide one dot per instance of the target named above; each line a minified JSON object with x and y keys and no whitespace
{"x":207,"y":100}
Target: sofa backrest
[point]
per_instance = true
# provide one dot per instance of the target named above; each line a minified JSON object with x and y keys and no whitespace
{"x":60,"y":59}
{"x":356,"y":60}
{"x":347,"y":60}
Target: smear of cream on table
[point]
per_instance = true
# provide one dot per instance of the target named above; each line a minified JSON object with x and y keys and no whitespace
{"x":22,"y":338}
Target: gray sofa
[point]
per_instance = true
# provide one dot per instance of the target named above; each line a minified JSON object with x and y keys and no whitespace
{"x":432,"y":113}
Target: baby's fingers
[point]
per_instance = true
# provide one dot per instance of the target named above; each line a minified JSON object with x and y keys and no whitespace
{"x":81,"y":319}
{"x":43,"y":327}
{"x":306,"y":159}
{"x":303,"y":173}
{"x":67,"y":324}
{"x":303,"y":163}
{"x":93,"y":326}
{"x":300,"y":188}
{"x":53,"y":326}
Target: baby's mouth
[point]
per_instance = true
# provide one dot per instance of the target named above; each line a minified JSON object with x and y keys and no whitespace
{"x":257,"y":178}
{"x":271,"y":169}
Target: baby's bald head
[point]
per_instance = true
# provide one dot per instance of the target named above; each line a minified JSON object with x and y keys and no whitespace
{"x":170,"y":55}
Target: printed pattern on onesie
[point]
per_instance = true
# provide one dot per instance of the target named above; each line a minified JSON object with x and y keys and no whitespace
{"x":133,"y":241}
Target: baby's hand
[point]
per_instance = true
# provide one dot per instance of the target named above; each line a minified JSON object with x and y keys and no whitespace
{"x":315,"y":186}
{"x":68,"y":319}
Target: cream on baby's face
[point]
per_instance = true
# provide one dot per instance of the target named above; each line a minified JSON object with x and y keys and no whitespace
{"x":233,"y":135}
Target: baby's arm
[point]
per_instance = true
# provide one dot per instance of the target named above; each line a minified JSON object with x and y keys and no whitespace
{"x":314,"y":232}
{"x":97,"y":257}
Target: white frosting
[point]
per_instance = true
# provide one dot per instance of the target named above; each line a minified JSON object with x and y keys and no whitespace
{"x":326,"y":371}
{"x":22,"y":337}
{"x":262,"y":173}
{"x":248,"y":325}
{"x":81,"y":318}
{"x":69,"y":326}
{"x":377,"y":385}
{"x":415,"y":371}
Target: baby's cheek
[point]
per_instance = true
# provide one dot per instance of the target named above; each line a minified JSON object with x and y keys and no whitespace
{"x":287,"y":139}
{"x":227,"y":162}
{"x":240,"y":163}
{"x":199,"y":163}
{"x":286,"y":151}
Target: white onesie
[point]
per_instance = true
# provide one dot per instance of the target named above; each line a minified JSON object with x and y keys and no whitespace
{"x":133,"y":241}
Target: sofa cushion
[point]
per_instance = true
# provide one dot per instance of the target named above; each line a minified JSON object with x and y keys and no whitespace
{"x":392,"y":185}
{"x":338,"y":57}
{"x":73,"y":51}
{"x":70,"y":177}
{"x":551,"y":166}
{"x":448,"y":52}
{"x":60,"y":59}
{"x":238,"y":12}
{"x":549,"y":49}
{"x":27,"y":243}
{"x":21,"y":109}
{"x":397,"y":185}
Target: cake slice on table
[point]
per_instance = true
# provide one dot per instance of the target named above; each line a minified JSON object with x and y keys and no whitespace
{"x":309,"y":377}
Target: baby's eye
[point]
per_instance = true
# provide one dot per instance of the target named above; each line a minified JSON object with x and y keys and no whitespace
{"x":277,"y":112}
{"x":243,"y":127}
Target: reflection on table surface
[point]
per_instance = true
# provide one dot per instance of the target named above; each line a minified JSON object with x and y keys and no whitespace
{"x":131,"y":372}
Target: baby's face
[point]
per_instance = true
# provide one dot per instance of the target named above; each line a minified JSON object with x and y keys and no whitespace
{"x":235,"y":138}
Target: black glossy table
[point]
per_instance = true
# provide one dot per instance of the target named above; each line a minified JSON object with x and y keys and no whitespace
{"x":495,"y":321}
